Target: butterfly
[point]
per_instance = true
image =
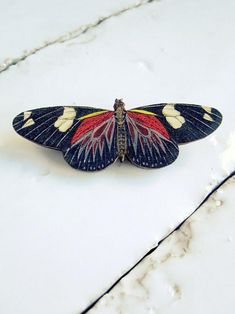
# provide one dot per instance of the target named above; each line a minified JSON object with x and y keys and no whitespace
{"x":91,"y":139}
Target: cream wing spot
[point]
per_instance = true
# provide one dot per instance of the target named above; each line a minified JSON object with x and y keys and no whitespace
{"x":170,"y":111}
{"x":207,"y":117}
{"x":181,"y":119}
{"x":173,"y":116}
{"x":27,"y":115}
{"x":174,"y":122}
{"x":207,"y":109}
{"x":64,"y":122}
{"x":28,"y":123}
{"x":66,"y":125}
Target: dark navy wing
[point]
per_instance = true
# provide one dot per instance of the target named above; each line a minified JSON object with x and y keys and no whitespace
{"x":52,"y":127}
{"x":86,"y":136}
{"x":184,"y":122}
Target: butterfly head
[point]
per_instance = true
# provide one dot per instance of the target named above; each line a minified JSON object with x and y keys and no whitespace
{"x":119,"y":105}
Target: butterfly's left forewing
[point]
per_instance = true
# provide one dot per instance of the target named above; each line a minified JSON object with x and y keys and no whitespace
{"x":86,"y":135}
{"x":52,"y":127}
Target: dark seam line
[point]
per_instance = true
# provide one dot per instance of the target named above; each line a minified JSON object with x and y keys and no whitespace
{"x":159,"y":243}
{"x":69,"y":36}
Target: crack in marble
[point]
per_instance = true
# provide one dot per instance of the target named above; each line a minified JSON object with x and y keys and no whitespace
{"x":141,"y":280}
{"x":180,"y":246}
{"x":177,"y":245}
{"x":7,"y":63}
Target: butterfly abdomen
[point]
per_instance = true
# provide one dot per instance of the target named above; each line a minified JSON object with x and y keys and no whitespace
{"x":121,"y":142}
{"x":120,"y":116}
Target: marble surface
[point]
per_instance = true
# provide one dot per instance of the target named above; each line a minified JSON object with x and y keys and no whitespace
{"x":191,"y":271}
{"x":67,"y":236}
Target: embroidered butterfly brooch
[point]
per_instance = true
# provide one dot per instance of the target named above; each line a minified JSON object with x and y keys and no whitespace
{"x":92,"y":139}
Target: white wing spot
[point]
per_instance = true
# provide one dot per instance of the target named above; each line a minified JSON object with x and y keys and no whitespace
{"x":64,"y":122}
{"x":27,"y":115}
{"x":173,"y":116}
{"x":207,"y":117}
{"x":28,"y":123}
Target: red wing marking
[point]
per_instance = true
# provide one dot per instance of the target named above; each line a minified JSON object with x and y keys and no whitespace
{"x":92,"y":134}
{"x":92,"y":123}
{"x":148,"y":142}
{"x":144,"y":122}
{"x":146,"y":131}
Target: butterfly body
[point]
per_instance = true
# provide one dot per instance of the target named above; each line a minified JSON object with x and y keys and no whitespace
{"x":91,"y":138}
{"x":120,"y":116}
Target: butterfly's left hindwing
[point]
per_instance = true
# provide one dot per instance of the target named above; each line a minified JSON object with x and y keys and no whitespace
{"x":185,"y":123}
{"x":94,"y":144}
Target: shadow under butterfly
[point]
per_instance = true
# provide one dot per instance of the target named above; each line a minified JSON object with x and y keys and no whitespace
{"x":91,"y":139}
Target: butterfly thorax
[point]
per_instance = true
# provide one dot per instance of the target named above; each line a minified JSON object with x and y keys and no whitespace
{"x":120,"y":115}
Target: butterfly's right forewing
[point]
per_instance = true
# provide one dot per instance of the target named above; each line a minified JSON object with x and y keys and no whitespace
{"x":185,"y":122}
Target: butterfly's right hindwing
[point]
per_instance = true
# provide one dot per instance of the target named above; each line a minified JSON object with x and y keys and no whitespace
{"x":149,"y":145}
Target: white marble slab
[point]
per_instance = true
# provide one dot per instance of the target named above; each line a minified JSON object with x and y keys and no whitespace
{"x":66,"y":236}
{"x":190,"y":272}
{"x":30,"y":25}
